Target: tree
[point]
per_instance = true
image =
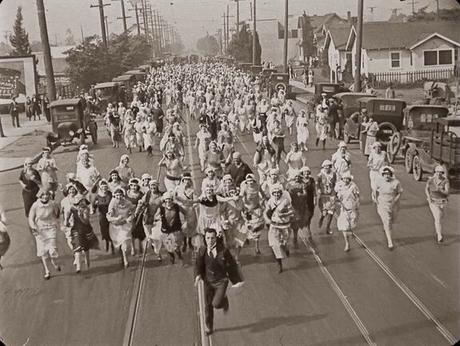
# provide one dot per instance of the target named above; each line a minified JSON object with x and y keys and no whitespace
{"x":444,"y":14}
{"x":208,"y":45}
{"x":240,"y":46}
{"x":307,"y":37}
{"x":69,"y":38}
{"x":19,"y":39}
{"x":90,"y":62}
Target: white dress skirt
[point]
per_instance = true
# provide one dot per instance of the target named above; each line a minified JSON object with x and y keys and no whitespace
{"x":120,"y":235}
{"x":46,"y":241}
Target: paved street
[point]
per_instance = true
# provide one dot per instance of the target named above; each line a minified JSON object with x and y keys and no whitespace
{"x":409,"y":296}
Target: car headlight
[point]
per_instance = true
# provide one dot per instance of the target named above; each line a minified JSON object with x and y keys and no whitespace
{"x":71,"y":133}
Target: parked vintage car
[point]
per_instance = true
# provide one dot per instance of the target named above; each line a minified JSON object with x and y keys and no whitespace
{"x":442,"y":147}
{"x":69,"y":121}
{"x":329,"y":88}
{"x":388,"y":113}
{"x":129,"y":81}
{"x":139,"y":75}
{"x":350,"y":102}
{"x":419,"y":122}
{"x":280,"y":81}
{"x":109,"y":92}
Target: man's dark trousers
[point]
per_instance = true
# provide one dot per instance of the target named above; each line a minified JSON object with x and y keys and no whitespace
{"x":215,"y":298}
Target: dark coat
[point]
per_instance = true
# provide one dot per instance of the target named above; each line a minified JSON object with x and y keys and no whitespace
{"x":226,"y":261}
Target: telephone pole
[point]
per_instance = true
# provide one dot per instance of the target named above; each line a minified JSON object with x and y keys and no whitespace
{"x":50,"y":84}
{"x":136,"y":10}
{"x":228,"y":26}
{"x":237,"y":16}
{"x":123,"y":15}
{"x":102,"y":20}
{"x":224,"y":41}
{"x":359,"y":42}
{"x":158,"y":30}
{"x":286,"y":34}
{"x":254,"y":28}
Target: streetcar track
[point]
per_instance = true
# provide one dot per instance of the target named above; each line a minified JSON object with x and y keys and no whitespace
{"x":206,"y":340}
{"x":398,"y":282}
{"x":330,"y":279}
{"x":134,"y":304}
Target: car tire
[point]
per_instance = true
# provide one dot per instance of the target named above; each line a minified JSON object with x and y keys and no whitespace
{"x":386,"y":125}
{"x":417,"y":171}
{"x":393,"y":146}
{"x":408,"y":161}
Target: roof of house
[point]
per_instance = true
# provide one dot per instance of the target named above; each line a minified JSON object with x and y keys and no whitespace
{"x":317,"y":22}
{"x":339,"y":35}
{"x":403,"y":35}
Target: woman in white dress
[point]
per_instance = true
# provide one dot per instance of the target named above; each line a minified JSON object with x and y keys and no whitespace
{"x":376,"y":161}
{"x":388,"y":194}
{"x":302,"y":130}
{"x":120,"y":216}
{"x":321,"y":124}
{"x":348,"y":197}
{"x":203,"y":138}
{"x":44,"y":223}
{"x":70,"y":192}
{"x":278,"y":214}
{"x":289,"y":116}
{"x":185,"y":196}
{"x":294,"y":160}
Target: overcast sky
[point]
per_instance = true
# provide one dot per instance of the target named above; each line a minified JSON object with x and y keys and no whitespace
{"x":192,"y":18}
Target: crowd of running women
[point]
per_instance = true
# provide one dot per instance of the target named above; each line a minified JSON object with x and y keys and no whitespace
{"x":276,"y":197}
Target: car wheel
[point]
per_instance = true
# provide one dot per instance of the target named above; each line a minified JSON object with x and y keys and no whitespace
{"x":408,"y":162}
{"x":393,"y":146}
{"x":417,"y":171}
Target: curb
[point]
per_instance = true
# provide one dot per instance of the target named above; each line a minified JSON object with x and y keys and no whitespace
{"x":35,"y":159}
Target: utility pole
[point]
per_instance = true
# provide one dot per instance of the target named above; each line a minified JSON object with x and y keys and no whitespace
{"x":228,"y":26}
{"x":237,"y":16}
{"x":50,"y":84}
{"x":123,"y":15}
{"x":157,"y":28}
{"x":250,"y":10}
{"x":106,"y":18}
{"x":82,"y":36}
{"x":102,"y":20}
{"x":136,"y":10}
{"x":359,"y":42}
{"x":437,"y":9}
{"x":144,"y":17}
{"x":224,"y":42}
{"x":254,"y":28}
{"x":286,"y":34}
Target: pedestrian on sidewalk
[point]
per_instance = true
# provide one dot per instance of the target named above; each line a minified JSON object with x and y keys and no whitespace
{"x":36,"y":111}
{"x":14,"y":112}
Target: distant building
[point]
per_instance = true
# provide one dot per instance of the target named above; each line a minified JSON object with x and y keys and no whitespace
{"x":409,"y":47}
{"x":58,"y":57}
{"x":335,"y":45}
{"x":271,"y":38}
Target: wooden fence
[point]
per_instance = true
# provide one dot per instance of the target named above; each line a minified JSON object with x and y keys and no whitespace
{"x":384,"y":78}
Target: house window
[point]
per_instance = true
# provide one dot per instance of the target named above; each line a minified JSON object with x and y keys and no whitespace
{"x":430,"y":58}
{"x":395,"y":59}
{"x":294,"y":33}
{"x":445,"y":57}
{"x":437,"y":57}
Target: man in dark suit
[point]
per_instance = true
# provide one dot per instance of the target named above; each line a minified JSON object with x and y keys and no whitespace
{"x":215,"y":265}
{"x":14,"y":112}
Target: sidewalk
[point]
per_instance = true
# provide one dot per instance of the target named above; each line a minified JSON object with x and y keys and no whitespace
{"x":302,"y":97}
{"x":12,"y":134}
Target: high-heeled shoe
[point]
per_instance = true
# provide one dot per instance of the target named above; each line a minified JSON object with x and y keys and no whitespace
{"x":47,"y":276}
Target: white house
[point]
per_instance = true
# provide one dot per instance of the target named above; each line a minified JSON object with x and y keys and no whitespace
{"x":407,"y":49}
{"x":335,"y":44}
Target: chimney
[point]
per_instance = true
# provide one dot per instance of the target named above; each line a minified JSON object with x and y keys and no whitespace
{"x":349,"y":17}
